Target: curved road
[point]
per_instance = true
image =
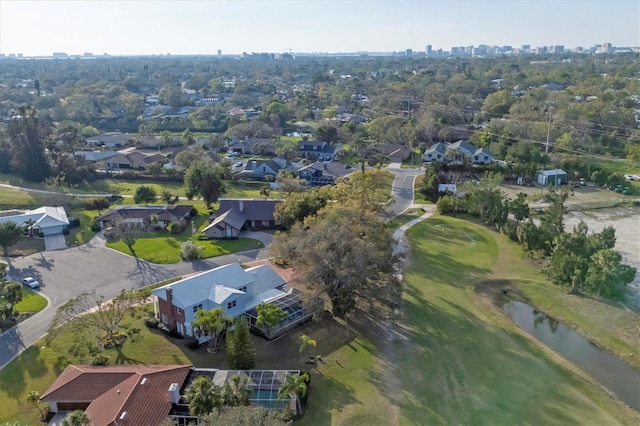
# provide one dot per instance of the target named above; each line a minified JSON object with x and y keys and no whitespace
{"x":66,"y":274}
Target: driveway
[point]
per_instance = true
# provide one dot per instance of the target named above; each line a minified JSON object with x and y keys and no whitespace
{"x":65,"y":274}
{"x":55,"y":242}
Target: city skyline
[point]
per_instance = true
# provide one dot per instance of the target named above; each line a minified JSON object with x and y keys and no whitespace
{"x":203,"y":27}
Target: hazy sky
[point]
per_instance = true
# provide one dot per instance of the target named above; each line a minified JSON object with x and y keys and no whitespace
{"x":203,"y":27}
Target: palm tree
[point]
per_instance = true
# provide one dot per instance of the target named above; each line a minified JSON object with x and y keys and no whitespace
{"x":203,"y":396}
{"x":76,"y":418}
{"x":306,"y":342}
{"x":295,"y":386}
{"x":28,"y":226}
{"x":34,"y":398}
{"x":211,"y":323}
{"x":235,"y":392}
{"x":269,"y":315}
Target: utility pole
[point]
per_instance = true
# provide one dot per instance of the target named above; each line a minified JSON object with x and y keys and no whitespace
{"x":546,"y":148}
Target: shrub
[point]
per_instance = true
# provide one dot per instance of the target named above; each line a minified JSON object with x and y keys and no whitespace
{"x":163,"y":327}
{"x":192,"y":343}
{"x":190,"y":251}
{"x":100,"y":359}
{"x":152,"y":322}
{"x":174,"y":228}
{"x":95,"y":226}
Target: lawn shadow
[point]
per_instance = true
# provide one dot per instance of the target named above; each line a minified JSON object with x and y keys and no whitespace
{"x":121,"y":358}
{"x":172,"y":242}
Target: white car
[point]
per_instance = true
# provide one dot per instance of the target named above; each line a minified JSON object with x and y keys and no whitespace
{"x":30,"y":282}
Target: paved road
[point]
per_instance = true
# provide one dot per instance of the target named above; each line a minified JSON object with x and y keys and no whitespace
{"x":67,"y":273}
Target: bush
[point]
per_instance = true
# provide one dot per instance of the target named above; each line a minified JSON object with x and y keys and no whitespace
{"x":174,"y":228}
{"x":152,"y":322}
{"x":192,"y":343}
{"x":100,"y":359}
{"x":190,"y":251}
{"x":95,"y":226}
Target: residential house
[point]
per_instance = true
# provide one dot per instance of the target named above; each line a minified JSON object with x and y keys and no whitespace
{"x":139,"y":394}
{"x":235,"y":215}
{"x":263,"y":169}
{"x":144,"y":215}
{"x":255,"y":146}
{"x":317,"y":150}
{"x":230,"y":287}
{"x":110,"y":139}
{"x":458,"y":152}
{"x":395,"y":152}
{"x":552,"y":177}
{"x":435,"y":152}
{"x":133,"y":160}
{"x":94,"y":156}
{"x":482,"y":156}
{"x":323,"y":173}
{"x":116,"y":394}
{"x":48,"y":220}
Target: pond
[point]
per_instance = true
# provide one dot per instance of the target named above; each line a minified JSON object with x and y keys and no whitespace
{"x":613,"y":373}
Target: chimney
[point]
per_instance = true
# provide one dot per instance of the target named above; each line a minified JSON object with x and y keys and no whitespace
{"x":174,"y":393}
{"x":169,"y":291}
{"x":241,"y":205}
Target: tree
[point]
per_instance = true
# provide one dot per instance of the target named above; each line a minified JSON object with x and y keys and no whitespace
{"x":12,"y":293}
{"x":187,"y":138}
{"x":519,"y":207}
{"x":244,"y":416}
{"x":10,"y":235}
{"x":305,"y":343}
{"x":295,"y":387}
{"x":205,"y":179}
{"x":34,"y":397}
{"x":92,"y":310}
{"x":98,"y":204}
{"x":203,"y":396}
{"x":235,"y":392}
{"x":296,"y":206}
{"x":28,"y":157}
{"x":211,"y":323}
{"x":345,"y":252}
{"x":607,"y":275}
{"x":76,"y":418}
{"x":128,"y":232}
{"x":269,"y":316}
{"x":241,"y":353}
{"x":144,"y":194}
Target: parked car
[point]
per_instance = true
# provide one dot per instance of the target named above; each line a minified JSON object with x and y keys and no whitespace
{"x":30,"y":282}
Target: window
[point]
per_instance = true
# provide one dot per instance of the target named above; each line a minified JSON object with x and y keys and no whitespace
{"x":179,"y":311}
{"x":231,"y":305}
{"x":243,"y":289}
{"x":195,"y":308}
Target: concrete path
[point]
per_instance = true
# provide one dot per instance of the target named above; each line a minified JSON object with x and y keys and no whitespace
{"x":55,"y":242}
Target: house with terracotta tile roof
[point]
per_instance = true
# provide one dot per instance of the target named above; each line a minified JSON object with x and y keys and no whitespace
{"x":116,"y":394}
{"x":142,"y":215}
{"x":142,"y":395}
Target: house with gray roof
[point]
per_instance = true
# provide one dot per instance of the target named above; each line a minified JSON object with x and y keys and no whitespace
{"x":255,"y":146}
{"x":482,"y":156}
{"x":323,"y":173}
{"x":133,"y":160}
{"x":48,"y":220}
{"x":263,"y":169}
{"x":235,"y":215}
{"x":142,"y":215}
{"x":435,"y":152}
{"x":110,"y":139}
{"x":317,"y":149}
{"x":230,"y":287}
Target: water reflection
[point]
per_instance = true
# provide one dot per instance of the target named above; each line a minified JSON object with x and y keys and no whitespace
{"x":616,"y":375}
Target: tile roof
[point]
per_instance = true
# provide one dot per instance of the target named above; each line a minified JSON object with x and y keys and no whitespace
{"x":129,"y":394}
{"x":173,"y":212}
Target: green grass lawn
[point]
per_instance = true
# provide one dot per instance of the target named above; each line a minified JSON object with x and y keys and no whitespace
{"x":83,"y":233}
{"x":14,"y":198}
{"x":163,"y":247}
{"x":418,"y":197}
{"x":31,"y":301}
{"x":462,"y":360}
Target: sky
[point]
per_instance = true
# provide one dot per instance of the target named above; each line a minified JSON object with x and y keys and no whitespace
{"x":36,"y":28}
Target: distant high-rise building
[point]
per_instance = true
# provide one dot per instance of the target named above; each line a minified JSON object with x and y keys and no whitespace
{"x":428,"y":50}
{"x":526,"y":48}
{"x":556,"y":50}
{"x":409,"y":52}
{"x":219,"y":52}
{"x":60,"y":55}
{"x":605,"y":48}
